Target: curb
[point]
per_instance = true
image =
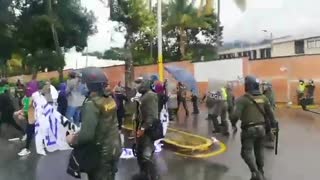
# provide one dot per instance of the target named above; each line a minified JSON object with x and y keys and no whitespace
{"x":222,"y":149}
{"x":185,"y":148}
{"x":296,"y":106}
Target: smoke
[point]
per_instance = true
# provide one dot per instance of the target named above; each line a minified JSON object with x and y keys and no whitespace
{"x":241,"y":4}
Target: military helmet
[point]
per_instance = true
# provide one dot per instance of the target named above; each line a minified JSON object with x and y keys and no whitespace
{"x":143,"y":84}
{"x":252,"y":85}
{"x":94,"y":78}
{"x":311,"y":82}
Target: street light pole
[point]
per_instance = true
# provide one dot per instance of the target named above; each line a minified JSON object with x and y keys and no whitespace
{"x":271,"y":39}
{"x":160,"y":58}
{"x":218,"y":26}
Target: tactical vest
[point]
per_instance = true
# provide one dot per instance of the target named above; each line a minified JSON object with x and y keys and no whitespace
{"x":301,"y":88}
{"x":224,"y":93}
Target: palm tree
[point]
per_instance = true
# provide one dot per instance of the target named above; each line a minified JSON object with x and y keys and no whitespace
{"x":182,"y":15}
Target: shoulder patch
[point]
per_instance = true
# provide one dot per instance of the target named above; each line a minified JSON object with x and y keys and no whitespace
{"x":110,"y":106}
{"x":259,"y":100}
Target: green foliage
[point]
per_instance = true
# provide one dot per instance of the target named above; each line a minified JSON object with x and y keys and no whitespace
{"x":133,"y":15}
{"x":138,"y":22}
{"x":26,"y":27}
{"x":7,"y":43}
{"x":114,"y":54}
{"x":184,"y":21}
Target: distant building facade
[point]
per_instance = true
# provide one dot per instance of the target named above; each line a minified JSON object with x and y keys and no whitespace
{"x":280,"y":47}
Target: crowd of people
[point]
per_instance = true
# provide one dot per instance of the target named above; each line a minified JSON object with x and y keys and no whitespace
{"x":87,"y":100}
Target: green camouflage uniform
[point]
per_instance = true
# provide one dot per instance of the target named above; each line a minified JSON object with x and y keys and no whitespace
{"x":270,"y":95}
{"x":230,"y":100}
{"x":99,"y":124}
{"x":145,"y":145}
{"x":217,"y":106}
{"x":253,"y":129}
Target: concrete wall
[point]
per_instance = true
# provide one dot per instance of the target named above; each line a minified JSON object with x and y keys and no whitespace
{"x":283,"y":49}
{"x":283,"y":73}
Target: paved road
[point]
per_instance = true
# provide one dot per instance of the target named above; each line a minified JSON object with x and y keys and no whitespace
{"x":298,"y":156}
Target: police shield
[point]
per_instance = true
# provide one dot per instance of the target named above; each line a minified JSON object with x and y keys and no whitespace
{"x":215,"y":85}
{"x":214,"y":91}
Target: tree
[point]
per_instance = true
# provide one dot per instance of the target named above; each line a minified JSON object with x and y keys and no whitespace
{"x":7,"y":42}
{"x":114,"y":54}
{"x":136,"y":20}
{"x":182,"y":15}
{"x":44,"y":27}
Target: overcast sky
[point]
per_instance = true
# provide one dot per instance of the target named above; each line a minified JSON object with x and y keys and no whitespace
{"x":281,"y":17}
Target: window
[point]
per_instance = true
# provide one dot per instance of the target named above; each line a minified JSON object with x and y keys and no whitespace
{"x":317,"y":43}
{"x":249,"y":54}
{"x":268,"y":53}
{"x":311,"y":44}
{"x":254,"y":54}
{"x":299,"y":47}
{"x":262,"y":53}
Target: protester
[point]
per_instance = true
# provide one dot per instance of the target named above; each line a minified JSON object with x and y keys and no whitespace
{"x":6,"y":113}
{"x":19,"y":92}
{"x":62,"y":99}
{"x":194,"y":100}
{"x":181,"y":97}
{"x":75,"y":98}
{"x":120,"y":98}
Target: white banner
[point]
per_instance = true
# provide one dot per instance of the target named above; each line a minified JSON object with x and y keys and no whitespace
{"x":50,"y":127}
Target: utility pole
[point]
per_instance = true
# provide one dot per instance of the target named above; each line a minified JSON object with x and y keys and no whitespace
{"x":160,"y":58}
{"x":218,"y":26}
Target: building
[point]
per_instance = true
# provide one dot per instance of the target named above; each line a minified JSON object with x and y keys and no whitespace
{"x":279,"y":47}
{"x":253,"y":52}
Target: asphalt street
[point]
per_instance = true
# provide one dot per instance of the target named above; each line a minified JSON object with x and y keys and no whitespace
{"x":298,"y":157}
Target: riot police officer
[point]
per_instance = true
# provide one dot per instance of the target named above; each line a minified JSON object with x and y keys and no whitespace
{"x":217,"y":107}
{"x":99,"y":129}
{"x":268,"y":92}
{"x":147,"y":118}
{"x":252,"y":108}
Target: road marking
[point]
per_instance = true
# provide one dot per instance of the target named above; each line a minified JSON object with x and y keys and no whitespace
{"x":202,"y":147}
{"x":222,"y":149}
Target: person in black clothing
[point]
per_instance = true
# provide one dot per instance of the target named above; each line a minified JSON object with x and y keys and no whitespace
{"x":6,"y":111}
{"x":120,"y":98}
{"x":194,"y":99}
{"x":62,"y":99}
{"x":181,"y":97}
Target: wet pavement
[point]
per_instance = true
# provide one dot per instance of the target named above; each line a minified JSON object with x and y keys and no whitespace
{"x":298,"y":155}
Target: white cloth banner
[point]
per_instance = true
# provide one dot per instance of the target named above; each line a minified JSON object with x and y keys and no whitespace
{"x":50,"y":127}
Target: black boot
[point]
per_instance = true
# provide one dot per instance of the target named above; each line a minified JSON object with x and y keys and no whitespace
{"x":256,"y":176}
{"x":262,"y":173}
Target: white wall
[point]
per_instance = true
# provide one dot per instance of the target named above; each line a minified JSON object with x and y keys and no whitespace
{"x":75,"y":60}
{"x":227,"y":70}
